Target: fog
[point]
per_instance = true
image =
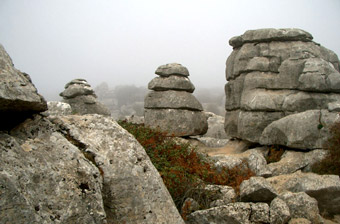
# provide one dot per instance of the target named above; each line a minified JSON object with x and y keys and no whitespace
{"x":122,"y":42}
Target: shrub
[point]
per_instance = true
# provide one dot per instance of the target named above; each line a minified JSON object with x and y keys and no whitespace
{"x":274,"y":154}
{"x":331,"y":163}
{"x":180,"y":166}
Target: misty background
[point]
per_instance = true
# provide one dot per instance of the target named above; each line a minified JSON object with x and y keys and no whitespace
{"x":116,"y":45}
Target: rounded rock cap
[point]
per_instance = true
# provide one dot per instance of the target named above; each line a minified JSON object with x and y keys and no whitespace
{"x":270,"y":34}
{"x":172,"y":69}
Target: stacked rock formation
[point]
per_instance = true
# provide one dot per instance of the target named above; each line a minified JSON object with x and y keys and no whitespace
{"x":79,"y":94}
{"x":19,"y":98}
{"x":170,"y":106}
{"x":273,"y":73}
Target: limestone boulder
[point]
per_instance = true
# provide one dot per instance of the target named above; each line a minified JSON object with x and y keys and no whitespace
{"x":44,"y":178}
{"x":173,"y":82}
{"x":292,"y":161}
{"x":177,"y":122}
{"x":216,"y":127}
{"x":305,"y":130}
{"x":172,"y":69}
{"x":79,"y":94}
{"x":324,"y":188}
{"x":132,"y":188}
{"x":302,"y":206}
{"x":172,"y":100}
{"x":234,"y":213}
{"x":56,"y":108}
{"x":273,"y":73}
{"x":259,"y":213}
{"x":19,"y":98}
{"x":279,"y":211}
{"x":257,"y":189}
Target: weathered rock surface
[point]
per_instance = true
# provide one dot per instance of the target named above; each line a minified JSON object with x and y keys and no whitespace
{"x":273,"y":73}
{"x":302,"y":206}
{"x":173,"y":82}
{"x":215,"y":126}
{"x":219,"y":195}
{"x":171,"y":107}
{"x":132,"y":188}
{"x":172,"y":100}
{"x":292,"y":161}
{"x":19,"y":98}
{"x":324,"y":188}
{"x":305,"y":130}
{"x":172,"y":69}
{"x":79,"y":94}
{"x":235,"y":213}
{"x":56,"y":108}
{"x":279,"y":211}
{"x":176,"y":122}
{"x":257,"y":189}
{"x":46,"y":179}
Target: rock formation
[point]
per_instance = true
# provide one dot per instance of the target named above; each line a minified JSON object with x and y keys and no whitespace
{"x":19,"y":98}
{"x":79,"y":94}
{"x":273,"y":73}
{"x":170,"y":106}
{"x":75,"y":168}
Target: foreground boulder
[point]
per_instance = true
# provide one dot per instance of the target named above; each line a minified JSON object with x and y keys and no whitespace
{"x":79,"y":94}
{"x":273,"y":73}
{"x":79,"y":169}
{"x":19,"y":98}
{"x":170,"y":106}
{"x":324,"y":188}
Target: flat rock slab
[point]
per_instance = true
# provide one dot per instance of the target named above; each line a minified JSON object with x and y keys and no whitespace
{"x":172,"y":69}
{"x":173,"y":82}
{"x":172,"y":100}
{"x":177,"y":122}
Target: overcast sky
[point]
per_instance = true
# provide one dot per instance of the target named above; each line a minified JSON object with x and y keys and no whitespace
{"x":124,"y":41}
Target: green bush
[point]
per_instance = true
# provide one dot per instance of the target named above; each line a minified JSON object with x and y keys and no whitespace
{"x":331,"y":163}
{"x":180,"y":166}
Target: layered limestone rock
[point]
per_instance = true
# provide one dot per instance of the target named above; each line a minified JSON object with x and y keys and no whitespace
{"x":19,"y":98}
{"x":170,"y":106}
{"x":273,"y":73}
{"x":79,"y":94}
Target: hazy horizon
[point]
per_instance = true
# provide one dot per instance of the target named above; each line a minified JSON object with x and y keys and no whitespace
{"x":122,"y":42}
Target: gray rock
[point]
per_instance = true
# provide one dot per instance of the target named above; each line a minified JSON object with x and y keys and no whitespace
{"x":305,"y":130}
{"x":302,"y":206}
{"x":219,"y":195}
{"x":177,"y":122}
{"x":74,"y":90}
{"x":252,"y":123}
{"x":334,"y":107}
{"x":213,"y":142}
{"x":172,"y":100}
{"x":279,"y":212}
{"x":19,"y":98}
{"x":132,"y":188}
{"x":257,"y":189}
{"x":254,"y":157}
{"x":46,"y":179}
{"x":172,"y":69}
{"x":259,"y":213}
{"x":87,"y":105}
{"x":173,"y":82}
{"x":56,"y":108}
{"x":235,"y":213}
{"x":267,"y":35}
{"x":79,"y":94}
{"x":216,"y":127}
{"x":324,"y":188}
{"x":291,"y":161}
{"x":299,"y":221}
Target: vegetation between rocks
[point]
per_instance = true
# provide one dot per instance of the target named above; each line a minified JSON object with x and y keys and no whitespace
{"x":331,"y":163}
{"x":274,"y":154}
{"x":183,"y":170}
